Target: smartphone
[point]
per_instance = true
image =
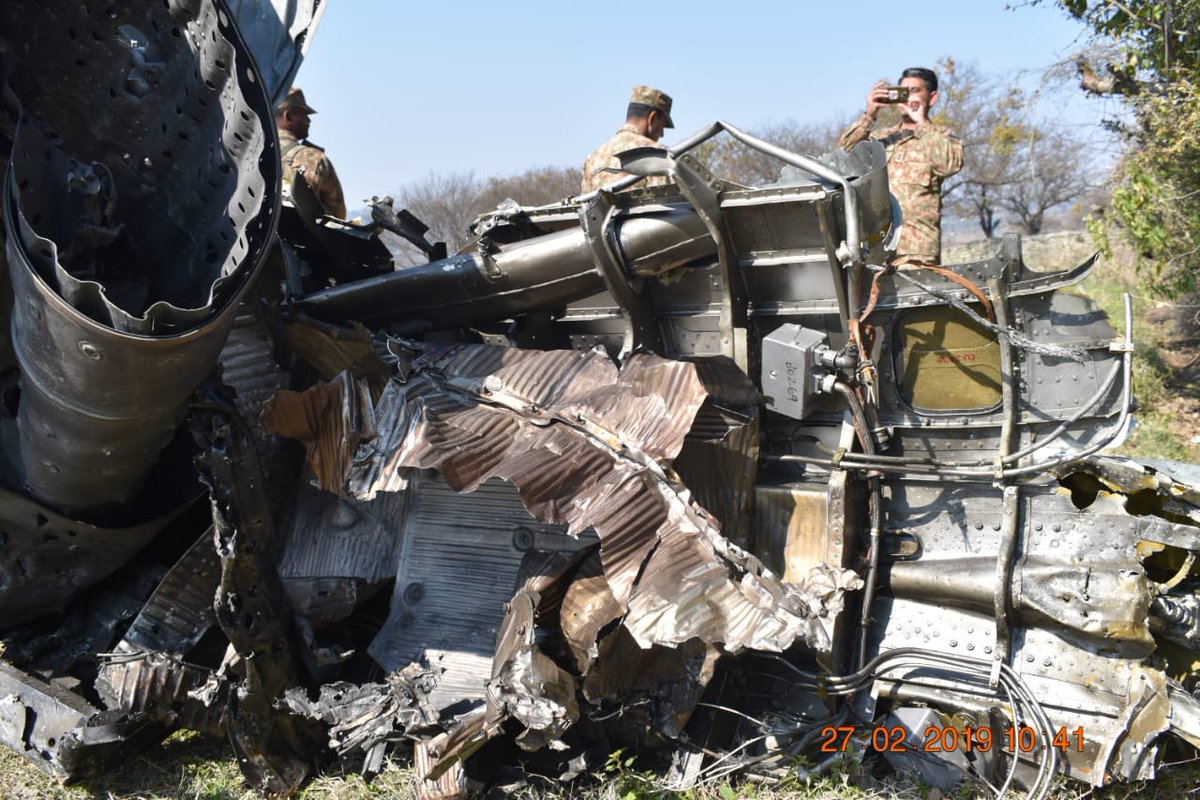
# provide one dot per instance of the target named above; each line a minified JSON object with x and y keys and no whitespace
{"x":896,"y":94}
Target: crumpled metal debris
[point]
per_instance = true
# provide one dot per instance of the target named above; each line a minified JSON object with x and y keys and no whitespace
{"x":591,"y":447}
{"x":368,"y":716}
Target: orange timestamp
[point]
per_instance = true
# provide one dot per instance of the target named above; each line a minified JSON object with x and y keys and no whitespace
{"x":938,"y":738}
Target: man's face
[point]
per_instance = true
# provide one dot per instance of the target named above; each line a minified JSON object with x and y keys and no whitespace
{"x":657,"y":124}
{"x":919,"y":97}
{"x":296,"y":122}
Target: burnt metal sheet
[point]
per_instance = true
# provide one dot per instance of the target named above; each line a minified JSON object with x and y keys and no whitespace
{"x":161,"y":688}
{"x":146,"y":673}
{"x":459,"y":562}
{"x":341,"y":537}
{"x":180,"y":610}
{"x":363,"y":716}
{"x":248,"y":365}
{"x":61,"y":732}
{"x":41,"y":555}
{"x":527,"y":685}
{"x":278,"y":34}
{"x":274,"y":749}
{"x":332,"y":419}
{"x":183,"y":58}
{"x":331,"y":349}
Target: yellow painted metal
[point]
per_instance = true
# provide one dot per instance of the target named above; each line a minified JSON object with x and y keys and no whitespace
{"x":950,"y":363}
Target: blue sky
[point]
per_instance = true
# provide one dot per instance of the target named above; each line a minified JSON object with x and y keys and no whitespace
{"x":406,"y":89}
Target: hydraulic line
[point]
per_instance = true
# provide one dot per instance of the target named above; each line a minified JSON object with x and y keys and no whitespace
{"x":950,"y":469}
{"x":865,"y":436}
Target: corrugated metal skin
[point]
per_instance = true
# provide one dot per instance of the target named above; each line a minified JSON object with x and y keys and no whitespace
{"x":332,"y":419}
{"x":145,"y":672}
{"x":561,"y":428}
{"x":719,"y":463}
{"x":719,"y":460}
{"x":450,"y":785}
{"x":154,"y":684}
{"x":181,"y":608}
{"x":248,"y":366}
{"x":628,"y":404}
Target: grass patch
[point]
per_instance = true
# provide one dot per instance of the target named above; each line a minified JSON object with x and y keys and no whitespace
{"x":1154,"y":434}
{"x":191,"y":767}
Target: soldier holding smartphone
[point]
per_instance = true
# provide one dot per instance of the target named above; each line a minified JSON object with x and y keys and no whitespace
{"x":921,"y":154}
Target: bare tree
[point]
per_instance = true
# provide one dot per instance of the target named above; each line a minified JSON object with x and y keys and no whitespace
{"x":533,"y":187}
{"x":1014,"y":161}
{"x":448,"y":204}
{"x":1049,"y":174}
{"x":730,"y":159}
{"x":987,"y":115}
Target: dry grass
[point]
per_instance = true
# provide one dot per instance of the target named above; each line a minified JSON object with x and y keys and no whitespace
{"x":191,"y":767}
{"x":1166,"y":409}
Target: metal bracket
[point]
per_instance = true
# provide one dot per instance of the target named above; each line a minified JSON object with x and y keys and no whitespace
{"x":696,"y":184}
{"x":641,"y":326}
{"x":1005,"y":559}
{"x":486,"y":248}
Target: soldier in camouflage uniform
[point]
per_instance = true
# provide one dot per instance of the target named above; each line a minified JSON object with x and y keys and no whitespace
{"x":649,"y":112}
{"x":297,"y":154}
{"x":920,"y":156}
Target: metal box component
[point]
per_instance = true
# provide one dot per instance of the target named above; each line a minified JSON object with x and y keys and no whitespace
{"x":790,"y":357}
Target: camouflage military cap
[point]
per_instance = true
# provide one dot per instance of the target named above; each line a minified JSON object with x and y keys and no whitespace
{"x":295,"y":99}
{"x":649,"y":96}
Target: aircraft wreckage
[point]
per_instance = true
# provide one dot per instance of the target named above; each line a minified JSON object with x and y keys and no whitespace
{"x":686,"y":470}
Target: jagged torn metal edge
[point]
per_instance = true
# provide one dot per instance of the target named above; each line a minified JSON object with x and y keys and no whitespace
{"x":591,"y":446}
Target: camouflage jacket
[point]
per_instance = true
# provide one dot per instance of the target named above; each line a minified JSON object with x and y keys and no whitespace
{"x":318,"y":171}
{"x":918,"y":160}
{"x":605,"y":155}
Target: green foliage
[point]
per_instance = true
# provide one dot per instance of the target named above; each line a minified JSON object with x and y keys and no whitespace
{"x":1157,"y":70}
{"x":1156,"y":35}
{"x":1158,"y":198}
{"x":627,"y":782}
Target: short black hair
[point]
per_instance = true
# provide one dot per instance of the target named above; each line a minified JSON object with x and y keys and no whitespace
{"x":927,"y":75}
{"x":638,"y":111}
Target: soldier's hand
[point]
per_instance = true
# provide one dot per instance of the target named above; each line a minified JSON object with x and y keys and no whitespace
{"x":913,"y":110}
{"x":876,"y":99}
